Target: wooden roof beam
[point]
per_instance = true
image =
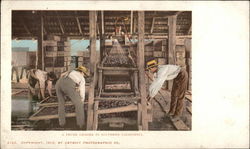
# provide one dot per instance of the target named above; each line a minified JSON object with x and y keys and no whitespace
{"x":25,"y":27}
{"x":60,"y":23}
{"x":79,"y":25}
{"x":131,"y":23}
{"x":152,"y":26}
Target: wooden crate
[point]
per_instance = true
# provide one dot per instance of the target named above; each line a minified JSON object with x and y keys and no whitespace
{"x":159,"y":54}
{"x":108,"y":43}
{"x":51,"y":54}
{"x":50,"y":43}
{"x":160,"y":48}
{"x":55,"y":69}
{"x":63,"y":48}
{"x":57,"y":54}
{"x":67,"y":58}
{"x":86,"y":54}
{"x":63,"y":43}
{"x":180,"y":54}
{"x":49,"y":61}
{"x":149,"y":49}
{"x":80,"y":63}
{"x":64,"y":38}
{"x":180,"y":41}
{"x":52,"y":37}
{"x":63,"y":53}
{"x":148,"y":53}
{"x":162,"y":61}
{"x":50,"y":48}
{"x":180,"y":48}
{"x":67,"y":63}
{"x":80,"y":59}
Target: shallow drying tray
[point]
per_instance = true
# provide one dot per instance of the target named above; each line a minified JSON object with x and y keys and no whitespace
{"x":50,"y":101}
{"x":51,"y":112}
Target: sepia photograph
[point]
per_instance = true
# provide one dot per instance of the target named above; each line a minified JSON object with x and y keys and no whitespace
{"x":101,"y":70}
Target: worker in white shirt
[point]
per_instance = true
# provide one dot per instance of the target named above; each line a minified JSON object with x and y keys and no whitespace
{"x":44,"y":80}
{"x":169,"y":72}
{"x":68,"y":85}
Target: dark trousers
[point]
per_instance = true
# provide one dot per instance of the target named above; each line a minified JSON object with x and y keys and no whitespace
{"x":67,"y":87}
{"x":26,"y":69}
{"x":178,"y":93}
{"x":15,"y":69}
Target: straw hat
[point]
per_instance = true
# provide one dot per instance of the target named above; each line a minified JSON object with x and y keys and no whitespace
{"x":83,"y":69}
{"x":151,"y":64}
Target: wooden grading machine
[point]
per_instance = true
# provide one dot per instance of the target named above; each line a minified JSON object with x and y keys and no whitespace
{"x":117,"y":98}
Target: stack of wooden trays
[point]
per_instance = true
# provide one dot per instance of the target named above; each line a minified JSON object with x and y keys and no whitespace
{"x":57,"y":53}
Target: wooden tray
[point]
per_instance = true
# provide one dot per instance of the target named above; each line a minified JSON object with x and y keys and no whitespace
{"x":51,"y":112}
{"x":52,"y":101}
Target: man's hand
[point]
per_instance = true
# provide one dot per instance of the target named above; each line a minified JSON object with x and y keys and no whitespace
{"x":149,"y":98}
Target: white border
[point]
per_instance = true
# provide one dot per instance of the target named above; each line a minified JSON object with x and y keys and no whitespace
{"x":220,"y":77}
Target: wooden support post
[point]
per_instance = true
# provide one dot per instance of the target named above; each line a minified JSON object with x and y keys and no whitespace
{"x":136,"y":86}
{"x":40,"y":50}
{"x":131,"y":23}
{"x":140,"y":63}
{"x":99,"y":82}
{"x":171,"y":44}
{"x":135,"y":24}
{"x":95,"y":122}
{"x":92,"y":30}
{"x":171,"y":39}
{"x":139,"y":118}
{"x":102,"y":37}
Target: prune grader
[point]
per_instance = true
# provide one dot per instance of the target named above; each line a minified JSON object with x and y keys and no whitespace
{"x":71,"y":109}
{"x":102,"y":105}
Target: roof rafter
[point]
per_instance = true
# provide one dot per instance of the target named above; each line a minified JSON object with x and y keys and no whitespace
{"x":78,"y":23}
{"x":25,"y":27}
{"x":60,"y":23}
{"x":152,"y":26}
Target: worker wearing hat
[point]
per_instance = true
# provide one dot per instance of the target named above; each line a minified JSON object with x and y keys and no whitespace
{"x":66,"y":86}
{"x":169,"y":72}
